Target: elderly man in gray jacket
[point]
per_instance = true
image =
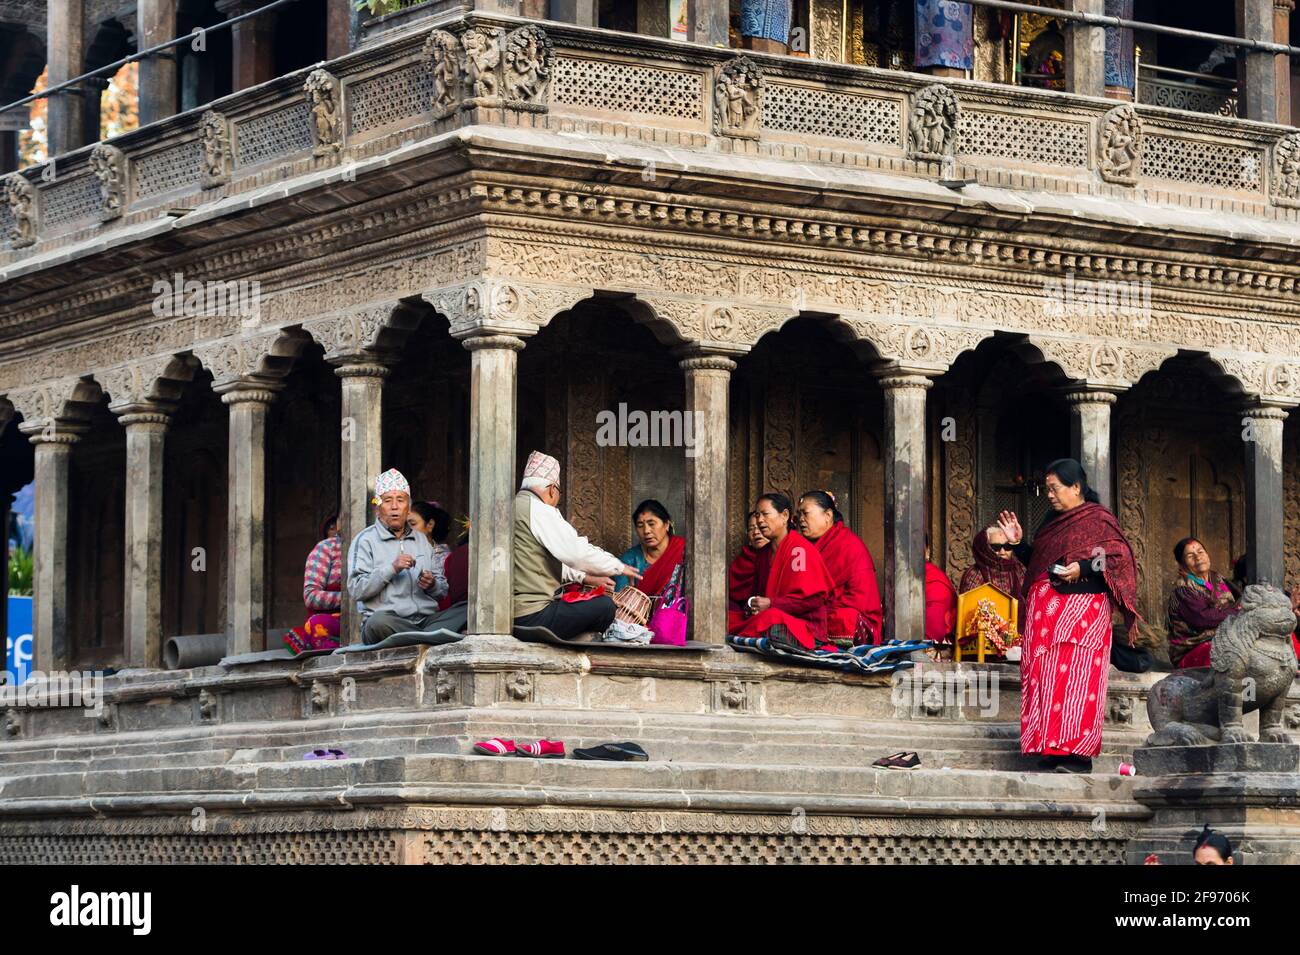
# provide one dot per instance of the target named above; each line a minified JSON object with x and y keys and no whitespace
{"x":391,"y":571}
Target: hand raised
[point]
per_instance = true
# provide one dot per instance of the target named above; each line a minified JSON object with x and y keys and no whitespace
{"x":1009,"y":524}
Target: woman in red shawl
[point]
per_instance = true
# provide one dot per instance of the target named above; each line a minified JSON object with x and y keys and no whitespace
{"x":787,"y":592}
{"x":996,"y":563}
{"x":1080,"y":565}
{"x":855,"y":613}
{"x":660,"y":550}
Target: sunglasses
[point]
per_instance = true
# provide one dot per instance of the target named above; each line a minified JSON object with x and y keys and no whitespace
{"x":1001,"y":547}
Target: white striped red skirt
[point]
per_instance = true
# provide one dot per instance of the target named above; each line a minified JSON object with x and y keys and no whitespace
{"x":1063,"y":672}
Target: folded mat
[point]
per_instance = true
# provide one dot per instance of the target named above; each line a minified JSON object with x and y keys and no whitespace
{"x":870,"y":658}
{"x":261,"y":656}
{"x":407,"y":638}
{"x":587,"y":641}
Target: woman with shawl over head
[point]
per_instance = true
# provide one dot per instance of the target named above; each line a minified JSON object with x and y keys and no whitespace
{"x":784,"y":592}
{"x":854,"y":615}
{"x":1078,"y":567}
{"x":996,"y":563}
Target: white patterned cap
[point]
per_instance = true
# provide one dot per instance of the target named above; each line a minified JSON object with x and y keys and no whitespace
{"x":541,"y":471}
{"x":391,"y":480}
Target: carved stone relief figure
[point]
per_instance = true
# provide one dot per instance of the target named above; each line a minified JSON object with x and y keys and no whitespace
{"x":109,"y":166}
{"x":1286,"y":170}
{"x":482,"y":57}
{"x":1121,"y":145}
{"x":322,"y":91}
{"x":527,"y":68}
{"x":738,"y":99}
{"x":932,"y":126}
{"x":442,"y":51}
{"x":216,"y":150}
{"x":20,"y":195}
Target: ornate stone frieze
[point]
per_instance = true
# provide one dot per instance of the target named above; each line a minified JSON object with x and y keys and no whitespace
{"x":482,"y":48}
{"x":53,"y":405}
{"x":1120,"y":145}
{"x":323,"y":101}
{"x":502,"y":307}
{"x":265,"y":355}
{"x":738,"y":99}
{"x":353,"y":332}
{"x":143,"y":384}
{"x":108,"y":163}
{"x":1273,"y":381}
{"x":217,"y":158}
{"x":487,"y":67}
{"x":526,"y":68}
{"x":20,"y":196}
{"x":932,"y":123}
{"x":1286,"y":171}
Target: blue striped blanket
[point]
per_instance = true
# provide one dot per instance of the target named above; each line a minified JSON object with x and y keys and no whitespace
{"x":882,"y":658}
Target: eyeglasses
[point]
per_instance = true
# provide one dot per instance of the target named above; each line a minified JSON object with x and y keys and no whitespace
{"x":1001,"y":547}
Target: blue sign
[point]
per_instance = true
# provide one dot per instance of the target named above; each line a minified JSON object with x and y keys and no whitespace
{"x":18,"y":642}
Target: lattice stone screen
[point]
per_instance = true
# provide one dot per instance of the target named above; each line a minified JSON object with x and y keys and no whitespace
{"x":167,"y":169}
{"x":816,"y":112}
{"x":280,"y":132}
{"x":72,"y":200}
{"x":1047,"y":142}
{"x":1203,"y":163}
{"x":391,"y":98}
{"x":624,"y":87}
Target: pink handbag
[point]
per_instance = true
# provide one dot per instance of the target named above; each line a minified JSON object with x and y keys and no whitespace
{"x":668,"y":622}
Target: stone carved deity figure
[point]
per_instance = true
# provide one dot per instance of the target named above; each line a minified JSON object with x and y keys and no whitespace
{"x":932,"y":127}
{"x":216,"y":149}
{"x":107,"y":163}
{"x":737,"y":99}
{"x":20,"y":195}
{"x":1121,"y":145}
{"x":528,"y":65}
{"x":1286,"y":170}
{"x":443,"y":54}
{"x":322,"y":99}
{"x":482,"y":55}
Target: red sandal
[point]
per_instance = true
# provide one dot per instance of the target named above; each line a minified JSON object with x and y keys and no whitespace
{"x":542,"y":749}
{"x":495,"y":747}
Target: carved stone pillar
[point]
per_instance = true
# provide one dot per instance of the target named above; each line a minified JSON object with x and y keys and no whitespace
{"x":1085,"y":52}
{"x":1090,"y":438}
{"x":66,"y":58}
{"x":492,"y":481}
{"x":1258,"y":73}
{"x":708,"y":380}
{"x":1262,"y":436}
{"x":905,"y":504}
{"x":709,"y":22}
{"x":361,"y":456}
{"x":249,"y":403}
{"x":156,"y":23}
{"x":945,"y":38}
{"x":142,"y":608}
{"x":581,"y":12}
{"x":52,"y":649}
{"x":1121,"y":62}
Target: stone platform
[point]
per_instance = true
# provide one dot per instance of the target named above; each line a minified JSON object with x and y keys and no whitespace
{"x":750,"y":762}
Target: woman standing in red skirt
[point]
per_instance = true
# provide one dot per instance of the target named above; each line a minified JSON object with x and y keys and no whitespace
{"x":1079,"y":566}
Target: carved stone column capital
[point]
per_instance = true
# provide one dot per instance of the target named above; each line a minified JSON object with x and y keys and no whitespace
{"x":1266,"y":412}
{"x":57,"y":436}
{"x":361,"y":367}
{"x":239,"y":392}
{"x":1089,"y":396}
{"x":899,"y":379}
{"x":478,"y":342}
{"x":144,"y":420}
{"x":705,"y":362}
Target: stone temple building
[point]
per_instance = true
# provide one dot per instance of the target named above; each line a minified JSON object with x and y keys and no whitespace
{"x":907,"y":264}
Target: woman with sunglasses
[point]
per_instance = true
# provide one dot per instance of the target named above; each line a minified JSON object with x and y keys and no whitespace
{"x":996,"y":563}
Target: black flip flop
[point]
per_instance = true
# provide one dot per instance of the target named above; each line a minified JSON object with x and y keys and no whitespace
{"x":613,"y":752}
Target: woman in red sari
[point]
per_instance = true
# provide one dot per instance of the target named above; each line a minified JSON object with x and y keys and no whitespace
{"x":1080,"y":565}
{"x":659,"y":552}
{"x":787,"y":592}
{"x":855,"y":613}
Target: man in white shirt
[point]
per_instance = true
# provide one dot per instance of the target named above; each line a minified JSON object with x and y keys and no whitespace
{"x":549,"y":552}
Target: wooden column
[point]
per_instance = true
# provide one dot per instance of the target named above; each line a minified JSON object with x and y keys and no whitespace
{"x":1090,"y":438}
{"x":361,"y":456}
{"x":142,"y":607}
{"x":905,"y":504}
{"x":65,"y":118}
{"x":1282,"y":10}
{"x":492,"y":481}
{"x":246,"y":521}
{"x":1262,"y":437}
{"x":708,"y":381}
{"x":1258,"y":76}
{"x":156,"y":23}
{"x":1121,"y":59}
{"x":252,"y":44}
{"x":1085,"y":52}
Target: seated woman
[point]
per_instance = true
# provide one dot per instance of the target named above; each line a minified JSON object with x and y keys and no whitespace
{"x":855,"y":613}
{"x":740,"y":575}
{"x":429,"y":519}
{"x":322,"y":592}
{"x":940,"y":602}
{"x":660,"y":551}
{"x":1200,"y":601}
{"x":787,"y":592}
{"x":995,"y":563}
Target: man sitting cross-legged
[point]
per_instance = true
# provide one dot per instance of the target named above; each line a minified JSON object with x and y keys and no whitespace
{"x":391,"y":572}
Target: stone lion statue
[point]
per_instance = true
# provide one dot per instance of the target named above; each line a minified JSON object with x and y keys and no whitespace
{"x":1252,"y":664}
